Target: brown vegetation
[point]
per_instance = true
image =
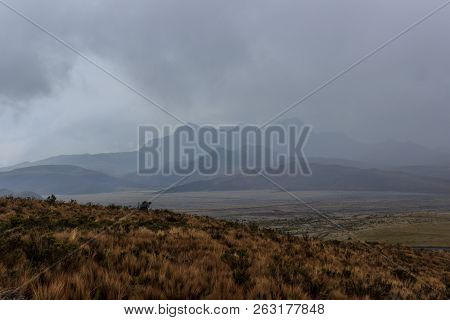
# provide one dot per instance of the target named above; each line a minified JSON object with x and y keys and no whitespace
{"x":69,"y":251}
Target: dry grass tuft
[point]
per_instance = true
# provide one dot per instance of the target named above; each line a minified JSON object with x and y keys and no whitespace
{"x":162,"y":255}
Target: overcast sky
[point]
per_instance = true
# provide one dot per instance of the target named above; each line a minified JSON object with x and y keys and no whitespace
{"x":218,"y":62}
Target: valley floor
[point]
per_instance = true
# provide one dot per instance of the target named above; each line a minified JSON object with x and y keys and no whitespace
{"x":421,"y":220}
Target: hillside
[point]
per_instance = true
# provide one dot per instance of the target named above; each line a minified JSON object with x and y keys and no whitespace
{"x":322,"y":146}
{"x":440,"y":172}
{"x":60,"y":179}
{"x":22,"y":194}
{"x":115,"y":164}
{"x":69,"y":180}
{"x":327,"y":177}
{"x":5,"y":192}
{"x":95,"y":252}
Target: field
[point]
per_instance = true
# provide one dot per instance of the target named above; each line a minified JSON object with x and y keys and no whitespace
{"x":421,"y":220}
{"x":56,"y":250}
{"x":432,"y":234}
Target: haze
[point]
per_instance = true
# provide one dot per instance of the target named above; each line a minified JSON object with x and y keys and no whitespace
{"x":218,"y":62}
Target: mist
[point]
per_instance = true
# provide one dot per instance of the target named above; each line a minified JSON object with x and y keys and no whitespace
{"x":218,"y":62}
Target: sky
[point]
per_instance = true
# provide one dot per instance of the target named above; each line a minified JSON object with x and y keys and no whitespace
{"x":208,"y":61}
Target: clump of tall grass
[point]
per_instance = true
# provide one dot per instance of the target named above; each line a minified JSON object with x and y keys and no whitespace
{"x":56,"y":250}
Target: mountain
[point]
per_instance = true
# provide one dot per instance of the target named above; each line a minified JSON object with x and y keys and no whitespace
{"x":60,"y":179}
{"x":325,"y":144}
{"x":63,"y":179}
{"x":112,"y":164}
{"x":395,"y":153}
{"x":440,"y":172}
{"x":329,"y":147}
{"x":326,"y":177}
{"x":28,"y":195}
{"x":340,"y":162}
{"x":5,"y":192}
{"x":22,"y":194}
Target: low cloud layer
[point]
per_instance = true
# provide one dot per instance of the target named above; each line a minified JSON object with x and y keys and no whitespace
{"x":221,"y":62}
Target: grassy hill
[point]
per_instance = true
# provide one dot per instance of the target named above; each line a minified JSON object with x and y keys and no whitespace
{"x":71,"y":251}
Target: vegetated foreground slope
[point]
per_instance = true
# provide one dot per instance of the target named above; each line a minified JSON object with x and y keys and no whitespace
{"x":69,"y":251}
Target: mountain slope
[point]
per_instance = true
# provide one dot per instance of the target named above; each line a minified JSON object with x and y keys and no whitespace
{"x":60,"y":179}
{"x":5,"y":192}
{"x":327,"y":177}
{"x":336,"y":147}
{"x":162,"y":255}
{"x":440,"y":172}
{"x":325,"y":144}
{"x":113,"y":164}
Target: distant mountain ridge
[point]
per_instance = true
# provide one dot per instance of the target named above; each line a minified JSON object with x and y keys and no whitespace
{"x":67,"y":180}
{"x":325,"y":177}
{"x":22,"y":194}
{"x":440,"y":172}
{"x":336,"y":147}
{"x":62,"y":179}
{"x":114,"y":164}
{"x":338,"y":162}
{"x":5,"y":192}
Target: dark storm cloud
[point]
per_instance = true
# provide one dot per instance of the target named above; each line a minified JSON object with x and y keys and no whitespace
{"x":30,"y":65}
{"x":231,"y":61}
